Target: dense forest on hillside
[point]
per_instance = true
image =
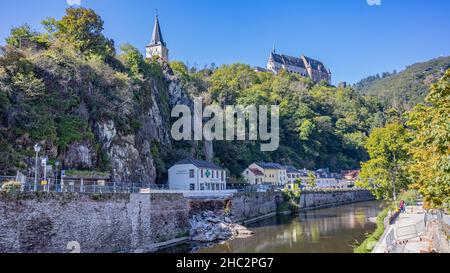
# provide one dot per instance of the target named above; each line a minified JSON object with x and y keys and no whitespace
{"x":321,"y":125}
{"x":405,"y":89}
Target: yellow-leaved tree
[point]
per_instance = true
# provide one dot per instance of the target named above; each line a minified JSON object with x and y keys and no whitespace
{"x":429,"y":166}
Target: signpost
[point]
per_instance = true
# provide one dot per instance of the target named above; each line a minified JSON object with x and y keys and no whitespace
{"x":44,"y":165}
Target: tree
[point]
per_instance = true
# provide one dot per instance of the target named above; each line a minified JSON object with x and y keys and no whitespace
{"x":430,"y":148}
{"x":82,"y":28}
{"x":384,"y":174}
{"x":312,"y":180}
{"x":24,"y":32}
{"x":133,"y":60}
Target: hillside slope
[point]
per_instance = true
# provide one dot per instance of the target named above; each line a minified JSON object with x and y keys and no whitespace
{"x":407,"y":88}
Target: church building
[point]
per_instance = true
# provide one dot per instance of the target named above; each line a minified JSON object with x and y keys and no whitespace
{"x":157,"y":46}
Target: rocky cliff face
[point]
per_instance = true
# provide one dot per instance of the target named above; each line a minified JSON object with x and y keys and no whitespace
{"x":88,"y":114}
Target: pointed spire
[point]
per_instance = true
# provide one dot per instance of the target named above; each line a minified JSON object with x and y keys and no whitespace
{"x":157,"y":38}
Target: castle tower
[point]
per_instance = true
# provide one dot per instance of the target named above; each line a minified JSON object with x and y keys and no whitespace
{"x":157,"y":46}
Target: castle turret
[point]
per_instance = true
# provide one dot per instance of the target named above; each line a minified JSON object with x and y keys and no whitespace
{"x":157,"y":46}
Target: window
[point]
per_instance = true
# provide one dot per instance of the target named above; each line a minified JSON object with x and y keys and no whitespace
{"x":191,"y":173}
{"x":222,"y":176}
{"x":202,"y":187}
{"x":192,"y":187}
{"x":212,"y":175}
{"x":201,"y":173}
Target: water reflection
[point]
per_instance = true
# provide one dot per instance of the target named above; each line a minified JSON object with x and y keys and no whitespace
{"x":328,"y":230}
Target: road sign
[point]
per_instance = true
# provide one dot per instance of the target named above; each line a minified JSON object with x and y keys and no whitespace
{"x":44,"y":183}
{"x":44,"y":162}
{"x":63,"y":173}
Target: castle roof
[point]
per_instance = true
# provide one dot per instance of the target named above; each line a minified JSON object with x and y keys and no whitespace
{"x":316,"y":65}
{"x":157,"y":38}
{"x":298,"y":62}
{"x":287,"y":60}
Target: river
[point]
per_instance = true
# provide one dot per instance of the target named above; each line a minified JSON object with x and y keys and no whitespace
{"x":332,"y":230}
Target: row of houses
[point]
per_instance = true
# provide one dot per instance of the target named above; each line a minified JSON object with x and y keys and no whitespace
{"x":197,"y":175}
{"x":275,"y":174}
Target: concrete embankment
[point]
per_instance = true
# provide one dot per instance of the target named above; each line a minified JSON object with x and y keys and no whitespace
{"x":48,"y":222}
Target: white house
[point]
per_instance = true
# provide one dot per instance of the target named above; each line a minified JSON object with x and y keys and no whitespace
{"x":253,"y":176}
{"x":197,"y":175}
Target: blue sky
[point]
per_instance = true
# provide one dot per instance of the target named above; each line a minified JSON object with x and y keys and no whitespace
{"x":352,"y":38}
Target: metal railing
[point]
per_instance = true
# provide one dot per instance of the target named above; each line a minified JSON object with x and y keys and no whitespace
{"x":82,"y":186}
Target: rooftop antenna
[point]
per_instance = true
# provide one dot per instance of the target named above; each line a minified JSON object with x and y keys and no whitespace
{"x":274,"y":48}
{"x":156,"y":12}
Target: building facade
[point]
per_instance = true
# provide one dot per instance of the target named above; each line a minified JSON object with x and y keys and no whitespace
{"x":274,"y":173}
{"x":304,"y":66}
{"x":157,"y":46}
{"x":197,"y":175}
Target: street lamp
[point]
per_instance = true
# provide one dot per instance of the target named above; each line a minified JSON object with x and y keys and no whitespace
{"x":37,"y":149}
{"x":56,"y":176}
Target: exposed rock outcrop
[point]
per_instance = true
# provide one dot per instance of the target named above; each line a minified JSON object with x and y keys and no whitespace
{"x":208,"y":227}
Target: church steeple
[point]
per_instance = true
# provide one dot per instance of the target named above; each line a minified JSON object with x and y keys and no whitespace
{"x":157,"y":46}
{"x":157,"y":38}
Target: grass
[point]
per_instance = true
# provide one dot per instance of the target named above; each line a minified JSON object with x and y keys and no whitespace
{"x":370,"y":242}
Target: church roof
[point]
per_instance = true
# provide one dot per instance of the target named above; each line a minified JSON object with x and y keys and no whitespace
{"x":157,"y":38}
{"x":288,"y":60}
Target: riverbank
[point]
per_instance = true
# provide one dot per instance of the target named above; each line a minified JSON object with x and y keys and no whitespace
{"x":329,"y":230}
{"x":46,"y":222}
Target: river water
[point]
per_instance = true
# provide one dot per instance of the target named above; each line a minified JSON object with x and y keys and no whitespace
{"x":332,"y":230}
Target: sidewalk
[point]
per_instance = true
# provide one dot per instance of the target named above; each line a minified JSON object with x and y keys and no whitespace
{"x":407,"y":235}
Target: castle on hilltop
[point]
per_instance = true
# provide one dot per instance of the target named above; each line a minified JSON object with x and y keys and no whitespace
{"x":157,"y":46}
{"x":304,"y":66}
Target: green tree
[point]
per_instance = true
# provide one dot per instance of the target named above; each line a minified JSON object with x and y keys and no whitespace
{"x":82,"y":28}
{"x":384,"y":174}
{"x":19,"y":34}
{"x":430,"y":148}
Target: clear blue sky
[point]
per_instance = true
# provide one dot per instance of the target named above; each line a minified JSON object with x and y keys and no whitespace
{"x":352,"y":38}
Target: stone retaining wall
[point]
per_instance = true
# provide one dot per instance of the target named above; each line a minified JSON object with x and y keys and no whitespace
{"x":245,"y":206}
{"x":316,"y":200}
{"x":47,"y":222}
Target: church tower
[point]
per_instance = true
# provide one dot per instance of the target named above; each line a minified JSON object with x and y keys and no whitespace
{"x":157,"y":46}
